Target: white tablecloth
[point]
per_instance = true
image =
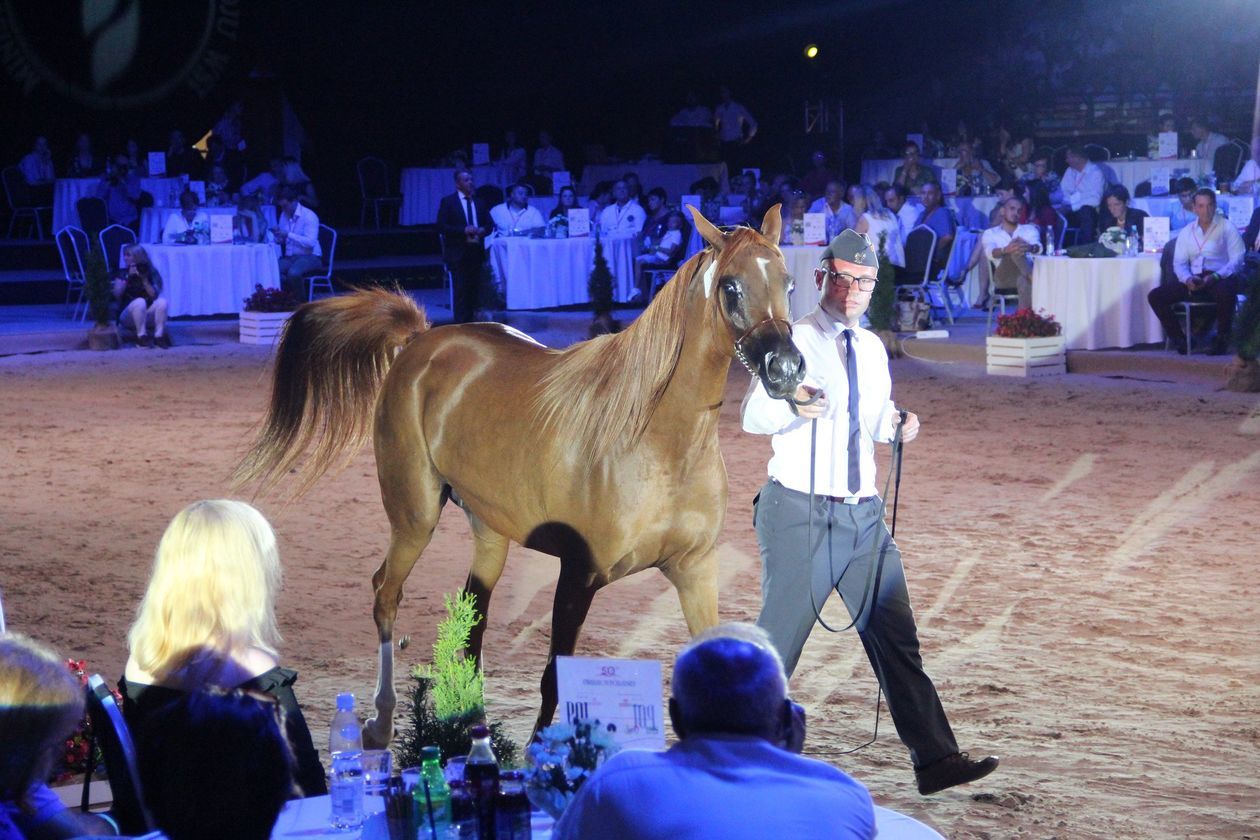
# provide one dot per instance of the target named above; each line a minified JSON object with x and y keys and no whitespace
{"x":68,"y":191}
{"x":1099,"y":302}
{"x":1133,"y":172}
{"x":675,"y":178}
{"x":212,"y":279}
{"x":538,"y":273}
{"x":422,"y":189}
{"x":153,"y":219}
{"x":1237,"y":207}
{"x":801,"y":261}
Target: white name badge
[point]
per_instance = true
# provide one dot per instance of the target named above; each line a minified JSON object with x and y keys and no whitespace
{"x":624,"y":692}
{"x":579,"y":222}
{"x":157,"y":164}
{"x":1167,"y":145}
{"x":481,"y":154}
{"x":815,"y":232}
{"x":220,"y":229}
{"x":1155,"y":233}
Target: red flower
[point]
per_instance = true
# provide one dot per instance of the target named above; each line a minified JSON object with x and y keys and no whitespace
{"x":1024,"y":323}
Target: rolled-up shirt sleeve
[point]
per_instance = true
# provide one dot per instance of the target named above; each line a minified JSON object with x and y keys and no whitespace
{"x":761,"y":414}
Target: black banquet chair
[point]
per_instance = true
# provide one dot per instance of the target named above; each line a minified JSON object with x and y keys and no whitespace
{"x":93,"y":215}
{"x":110,"y":733}
{"x":374,"y":190}
{"x":20,"y":204}
{"x":112,"y":240}
{"x":323,"y":279}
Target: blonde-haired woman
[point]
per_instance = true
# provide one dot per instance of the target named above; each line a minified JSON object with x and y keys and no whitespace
{"x":208,"y":619}
{"x":40,"y":704}
{"x":875,"y":219}
{"x":138,"y":288}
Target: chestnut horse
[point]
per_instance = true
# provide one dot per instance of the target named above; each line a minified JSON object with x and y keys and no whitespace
{"x":604,"y":454}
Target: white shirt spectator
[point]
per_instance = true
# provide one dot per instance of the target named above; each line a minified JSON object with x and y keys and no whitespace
{"x":820,"y":341}
{"x":998,"y":237}
{"x":514,"y":162}
{"x":1250,"y":174}
{"x":36,"y":168}
{"x":836,"y":220}
{"x":1084,"y":188}
{"x":729,"y":119}
{"x":1220,"y":249}
{"x":1206,"y":148}
{"x":909,"y":216}
{"x":507,"y":218}
{"x":303,"y":232}
{"x":176,"y":225}
{"x":622,"y":219}
{"x":888,"y":223}
{"x":263,"y":183}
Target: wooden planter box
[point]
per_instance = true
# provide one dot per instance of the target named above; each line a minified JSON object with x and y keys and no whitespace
{"x":262,"y":327}
{"x":1025,"y":356}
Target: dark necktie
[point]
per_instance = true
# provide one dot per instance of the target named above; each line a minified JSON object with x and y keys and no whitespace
{"x":472,"y":220}
{"x":855,"y":428}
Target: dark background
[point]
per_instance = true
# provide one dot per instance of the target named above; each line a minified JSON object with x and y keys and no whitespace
{"x":412,"y":81}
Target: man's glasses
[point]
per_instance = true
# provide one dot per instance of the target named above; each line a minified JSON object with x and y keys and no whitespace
{"x":864,"y":284}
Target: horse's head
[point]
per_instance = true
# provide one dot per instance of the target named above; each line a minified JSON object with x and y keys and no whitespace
{"x":750,"y":281}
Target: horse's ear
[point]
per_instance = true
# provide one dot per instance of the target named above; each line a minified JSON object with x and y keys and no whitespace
{"x":772,"y":224}
{"x":706,"y":229}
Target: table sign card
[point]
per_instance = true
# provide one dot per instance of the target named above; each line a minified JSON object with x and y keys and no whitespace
{"x":1237,"y":211}
{"x":916,"y":139}
{"x":623,"y":692}
{"x":220,"y":229}
{"x":481,"y":154}
{"x":1160,"y":175}
{"x":1167,"y":145}
{"x":949,"y":181}
{"x":815,"y":229}
{"x":1155,"y":233}
{"x":579,"y":222}
{"x":559,"y":179}
{"x":157,"y":164}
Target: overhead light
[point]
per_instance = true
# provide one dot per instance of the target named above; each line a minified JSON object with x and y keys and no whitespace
{"x":811,"y":51}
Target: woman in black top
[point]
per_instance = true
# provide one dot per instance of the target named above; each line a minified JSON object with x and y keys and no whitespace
{"x":1116,"y":212}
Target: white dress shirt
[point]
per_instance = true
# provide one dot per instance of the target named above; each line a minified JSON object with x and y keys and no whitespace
{"x":1220,"y":249}
{"x":895,"y":242}
{"x":618,"y":219}
{"x":836,"y":220}
{"x":1084,"y":188}
{"x":303,"y":231}
{"x":176,"y":225}
{"x":1206,"y":148}
{"x":998,"y":237}
{"x":909,"y":215}
{"x":821,"y":342}
{"x":1250,"y":172}
{"x":507,"y":219}
{"x":729,"y":119}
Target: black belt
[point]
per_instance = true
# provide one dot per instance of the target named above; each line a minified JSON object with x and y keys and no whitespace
{"x":840,"y":500}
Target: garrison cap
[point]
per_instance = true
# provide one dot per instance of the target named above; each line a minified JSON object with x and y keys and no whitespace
{"x":853,"y":247}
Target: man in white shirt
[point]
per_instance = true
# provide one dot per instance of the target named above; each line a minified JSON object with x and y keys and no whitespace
{"x":1209,"y":141}
{"x":1206,"y":260}
{"x":264,"y":184}
{"x":516,"y":216}
{"x":190,"y":216}
{"x":735,"y":128}
{"x":1010,"y":246}
{"x":735,"y":772}
{"x":835,"y":502}
{"x":623,"y":217}
{"x":1082,"y":185}
{"x":297,"y":235}
{"x":896,"y":198}
{"x":838,"y":213}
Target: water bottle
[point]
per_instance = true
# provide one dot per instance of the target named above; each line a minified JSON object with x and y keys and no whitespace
{"x":345,"y":744}
{"x":436,"y":798}
{"x":481,"y":775}
{"x":1134,"y":245}
{"x":1047,"y":240}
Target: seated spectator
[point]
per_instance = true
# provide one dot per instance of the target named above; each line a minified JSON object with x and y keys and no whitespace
{"x":633,"y":187}
{"x":138,"y":290}
{"x":136,"y":159}
{"x":876,"y":221}
{"x":297,"y":179}
{"x":735,"y":771}
{"x":878,"y":148}
{"x":1116,"y":212}
{"x":516,"y":216}
{"x":120,"y":188}
{"x":658,"y":211}
{"x":1010,"y":247}
{"x":512,"y":157}
{"x":181,"y":227}
{"x":1014,"y":148}
{"x":218,"y":154}
{"x":1083,"y":184}
{"x":1209,"y":140}
{"x":216,"y":765}
{"x":547,"y":161}
{"x":961,"y":137}
{"x":1042,"y":172}
{"x":249,"y":224}
{"x":939,"y":218}
{"x":1167,"y":122}
{"x":661,"y":252}
{"x":815,"y":181}
{"x":793,"y":212}
{"x":1248,"y":178}
{"x":623,"y":216}
{"x":913,"y":174}
{"x":896,"y":199}
{"x":1040,"y":211}
{"x":838,"y":214}
{"x":264,"y":184}
{"x":39,"y":174}
{"x":601,"y":196}
{"x":972,"y":174}
{"x":218,"y":187}
{"x":1208,"y":261}
{"x":182,"y":159}
{"x":41,"y":703}
{"x":297,"y":233}
{"x":1004,"y":189}
{"x":208,"y":619}
{"x":1183,"y":210}
{"x":85,"y":163}
{"x":566,"y":200}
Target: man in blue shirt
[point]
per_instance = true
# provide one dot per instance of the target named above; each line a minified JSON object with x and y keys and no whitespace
{"x":120,"y":187}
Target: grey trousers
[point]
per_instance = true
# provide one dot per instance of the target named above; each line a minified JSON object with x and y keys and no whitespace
{"x":847,"y":540}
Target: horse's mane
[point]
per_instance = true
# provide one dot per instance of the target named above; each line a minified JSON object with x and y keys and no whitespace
{"x":603,"y":392}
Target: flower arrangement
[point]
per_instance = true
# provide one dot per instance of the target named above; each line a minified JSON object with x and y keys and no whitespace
{"x":73,"y":758}
{"x":561,"y":759}
{"x":270,"y":300}
{"x":558,"y":227}
{"x":1115,"y":238}
{"x":1024,"y":323}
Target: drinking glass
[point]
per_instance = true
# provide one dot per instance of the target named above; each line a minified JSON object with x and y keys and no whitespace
{"x":376,"y":769}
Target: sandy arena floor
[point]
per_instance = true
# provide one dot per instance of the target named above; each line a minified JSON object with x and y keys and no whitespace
{"x":1080,"y":551}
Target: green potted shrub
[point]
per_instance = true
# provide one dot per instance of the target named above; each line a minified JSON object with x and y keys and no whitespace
{"x":600,"y":289}
{"x":98,"y":289}
{"x":1244,"y":374}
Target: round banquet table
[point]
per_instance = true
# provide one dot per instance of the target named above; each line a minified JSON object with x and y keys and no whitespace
{"x":67,"y":191}
{"x":1237,"y":208}
{"x":539,"y":273}
{"x":423,"y":188}
{"x":1133,"y":172}
{"x":153,"y":219}
{"x":212,"y":279}
{"x":1099,"y":302}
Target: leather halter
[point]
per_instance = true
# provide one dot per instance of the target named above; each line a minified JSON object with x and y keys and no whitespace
{"x":739,"y":342}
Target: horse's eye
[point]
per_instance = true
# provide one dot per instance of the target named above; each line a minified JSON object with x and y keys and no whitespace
{"x":732,"y":288}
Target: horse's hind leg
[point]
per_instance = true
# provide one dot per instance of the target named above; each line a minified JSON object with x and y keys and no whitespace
{"x":411,"y":490}
{"x":490,"y":550}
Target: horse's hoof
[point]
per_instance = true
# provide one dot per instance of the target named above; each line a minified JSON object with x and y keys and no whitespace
{"x":377,"y":734}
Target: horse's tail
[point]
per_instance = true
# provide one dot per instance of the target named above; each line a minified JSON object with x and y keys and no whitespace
{"x":329,"y":368}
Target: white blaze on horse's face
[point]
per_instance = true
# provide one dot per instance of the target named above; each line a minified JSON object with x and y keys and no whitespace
{"x":710,"y":274}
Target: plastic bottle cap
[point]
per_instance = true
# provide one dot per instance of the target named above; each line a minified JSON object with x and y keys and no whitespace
{"x":430,"y":753}
{"x":345,"y":702}
{"x":479,"y":731}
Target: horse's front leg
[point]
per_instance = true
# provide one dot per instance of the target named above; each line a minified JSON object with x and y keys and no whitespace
{"x":568,"y":612}
{"x":387,"y":583}
{"x":696,"y":579}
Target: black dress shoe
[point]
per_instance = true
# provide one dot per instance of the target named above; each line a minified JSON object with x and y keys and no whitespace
{"x":1181,"y":345}
{"x":956,"y":769}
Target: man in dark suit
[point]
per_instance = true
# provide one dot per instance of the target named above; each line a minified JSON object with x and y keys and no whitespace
{"x":1251,"y":236}
{"x":463,"y":221}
